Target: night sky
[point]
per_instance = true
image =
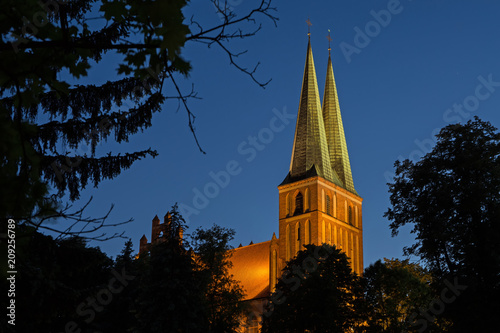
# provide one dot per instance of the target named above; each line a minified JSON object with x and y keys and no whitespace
{"x":399,"y":80}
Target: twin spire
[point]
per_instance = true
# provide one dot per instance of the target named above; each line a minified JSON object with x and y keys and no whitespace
{"x":319,"y":147}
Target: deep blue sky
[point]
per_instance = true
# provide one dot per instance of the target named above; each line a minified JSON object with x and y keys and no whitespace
{"x":394,"y":93}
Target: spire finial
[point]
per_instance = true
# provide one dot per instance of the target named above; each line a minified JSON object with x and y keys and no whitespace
{"x":308,"y":21}
{"x":329,"y":41}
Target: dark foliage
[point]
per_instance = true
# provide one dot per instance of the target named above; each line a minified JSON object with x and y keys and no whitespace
{"x":187,"y":287}
{"x":171,"y":292}
{"x":451,"y":198}
{"x":223,"y":294}
{"x":53,"y":120}
{"x":317,"y":292}
{"x":65,"y":285}
{"x":55,"y":279}
{"x":395,"y":292}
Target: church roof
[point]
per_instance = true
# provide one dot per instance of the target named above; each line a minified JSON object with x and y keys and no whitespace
{"x":334,"y":129}
{"x":310,"y":154}
{"x":251,"y":268}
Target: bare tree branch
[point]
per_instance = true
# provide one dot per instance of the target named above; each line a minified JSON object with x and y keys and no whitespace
{"x":219,"y":33}
{"x":87,"y":226}
{"x":92,"y":123}
{"x":191,"y":116}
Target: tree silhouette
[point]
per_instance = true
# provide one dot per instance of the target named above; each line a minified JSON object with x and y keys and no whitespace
{"x":58,"y":284}
{"x":185,"y":285}
{"x":317,"y":292}
{"x":395,"y":292}
{"x":451,"y":198}
{"x":223,"y":294}
{"x":53,"y":120}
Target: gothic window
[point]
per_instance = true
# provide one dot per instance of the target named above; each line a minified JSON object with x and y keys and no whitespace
{"x":328,"y":205}
{"x":347,"y":244}
{"x":308,"y":233}
{"x":299,"y":204}
{"x":306,"y":201}
{"x":297,"y":237}
{"x":341,"y":238}
{"x":334,"y":237}
{"x":334,"y":205}
{"x":323,"y":204}
{"x":323,"y":232}
{"x":356,"y":221}
{"x":288,"y":243}
{"x":350,"y":215}
{"x":287,"y":205}
{"x":329,"y":234}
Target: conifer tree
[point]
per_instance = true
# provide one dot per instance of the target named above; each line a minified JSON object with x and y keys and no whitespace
{"x":53,"y":120}
{"x":60,"y":283}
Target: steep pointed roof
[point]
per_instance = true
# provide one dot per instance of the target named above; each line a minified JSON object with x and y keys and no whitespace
{"x":334,"y":129}
{"x":310,"y":155}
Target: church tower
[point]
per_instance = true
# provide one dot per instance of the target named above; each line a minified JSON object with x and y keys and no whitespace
{"x":317,"y":200}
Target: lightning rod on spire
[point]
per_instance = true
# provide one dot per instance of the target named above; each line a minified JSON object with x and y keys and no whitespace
{"x":329,"y":41}
{"x":308,"y":21}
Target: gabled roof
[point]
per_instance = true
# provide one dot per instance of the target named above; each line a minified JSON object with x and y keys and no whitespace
{"x":251,"y":268}
{"x":334,"y":129}
{"x":310,"y":147}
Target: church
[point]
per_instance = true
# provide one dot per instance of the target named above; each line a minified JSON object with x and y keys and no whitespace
{"x":317,"y":200}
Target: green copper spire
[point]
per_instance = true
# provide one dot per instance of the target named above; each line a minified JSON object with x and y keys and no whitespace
{"x":335,"y":131}
{"x":310,"y":155}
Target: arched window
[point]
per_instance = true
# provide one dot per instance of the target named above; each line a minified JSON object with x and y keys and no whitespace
{"x":307,"y":233}
{"x":297,"y":237}
{"x":287,"y":204}
{"x":356,"y":219}
{"x":335,"y":237}
{"x":299,"y":204}
{"x":347,"y":244}
{"x":329,"y":234}
{"x":288,"y":243}
{"x":328,"y":205}
{"x":350,"y":215}
{"x":341,"y":238}
{"x":335,"y":205}
{"x":323,"y":203}
{"x":323,"y":232}
{"x":307,"y":201}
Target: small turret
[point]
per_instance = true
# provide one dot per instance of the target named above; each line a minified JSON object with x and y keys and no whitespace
{"x":143,"y":244}
{"x":155,"y":229}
